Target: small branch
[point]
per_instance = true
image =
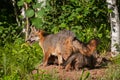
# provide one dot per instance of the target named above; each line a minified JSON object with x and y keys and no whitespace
{"x":27,"y":22}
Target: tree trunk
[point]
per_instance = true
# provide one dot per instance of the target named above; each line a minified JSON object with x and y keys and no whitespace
{"x":115,"y":26}
{"x":15,"y":12}
{"x":27,"y":23}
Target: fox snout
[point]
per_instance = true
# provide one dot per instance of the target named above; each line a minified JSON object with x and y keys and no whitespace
{"x":29,"y":41}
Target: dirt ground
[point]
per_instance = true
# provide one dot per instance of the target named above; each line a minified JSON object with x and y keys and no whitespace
{"x":72,"y":75}
{"x":62,"y":74}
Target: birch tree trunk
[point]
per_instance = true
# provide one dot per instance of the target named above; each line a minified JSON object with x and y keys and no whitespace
{"x":25,"y":20}
{"x":115,"y":27}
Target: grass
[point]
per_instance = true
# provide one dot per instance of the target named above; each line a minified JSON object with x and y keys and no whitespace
{"x":19,"y":59}
{"x":113,"y":71}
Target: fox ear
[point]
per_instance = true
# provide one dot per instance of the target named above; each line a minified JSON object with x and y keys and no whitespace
{"x":33,"y":29}
{"x":41,"y":31}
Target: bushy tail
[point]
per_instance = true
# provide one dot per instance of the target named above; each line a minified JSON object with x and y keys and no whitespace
{"x":85,"y":49}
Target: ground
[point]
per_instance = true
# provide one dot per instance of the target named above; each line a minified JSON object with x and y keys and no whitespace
{"x":62,"y":74}
{"x":71,"y":75}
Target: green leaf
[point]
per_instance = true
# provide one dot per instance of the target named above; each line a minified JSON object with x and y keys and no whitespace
{"x":110,"y":10}
{"x":87,"y":75}
{"x":78,"y":9}
{"x":28,"y":1}
{"x":13,"y":31}
{"x":37,"y":5}
{"x":99,"y":35}
{"x":3,"y":35}
{"x":29,"y":13}
{"x":72,"y":0}
{"x":63,"y":25}
{"x":6,"y":31}
{"x":79,"y":16}
{"x":40,"y":13}
{"x":37,"y":22}
{"x":97,"y":13}
{"x":1,"y":29}
{"x":81,"y":77}
{"x":20,"y":3}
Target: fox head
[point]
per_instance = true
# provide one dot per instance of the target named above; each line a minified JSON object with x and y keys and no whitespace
{"x":35,"y":35}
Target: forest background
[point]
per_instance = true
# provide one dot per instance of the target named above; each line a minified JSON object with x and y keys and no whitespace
{"x":86,"y":18}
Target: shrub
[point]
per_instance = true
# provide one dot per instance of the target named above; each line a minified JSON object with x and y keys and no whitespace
{"x":18,"y":59}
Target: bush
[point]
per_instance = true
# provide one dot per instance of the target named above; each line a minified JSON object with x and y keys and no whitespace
{"x":18,"y":59}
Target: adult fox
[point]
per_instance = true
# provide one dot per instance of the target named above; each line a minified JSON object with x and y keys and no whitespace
{"x":53,"y":44}
{"x":61,"y":44}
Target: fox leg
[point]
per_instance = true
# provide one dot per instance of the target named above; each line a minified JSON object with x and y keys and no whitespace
{"x":68,"y":66}
{"x":60,"y":61}
{"x":45,"y":59}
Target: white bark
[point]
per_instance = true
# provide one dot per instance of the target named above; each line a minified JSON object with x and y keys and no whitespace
{"x":43,"y":4}
{"x":23,"y":12}
{"x":115,"y":26}
{"x":25,"y":20}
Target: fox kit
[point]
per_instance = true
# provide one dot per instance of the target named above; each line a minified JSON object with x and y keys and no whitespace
{"x":78,"y":60}
{"x":53,"y":44}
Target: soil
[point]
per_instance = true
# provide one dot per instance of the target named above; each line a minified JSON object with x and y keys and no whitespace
{"x":95,"y":74}
{"x":62,"y":74}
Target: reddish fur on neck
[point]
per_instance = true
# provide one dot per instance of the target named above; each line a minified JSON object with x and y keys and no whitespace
{"x":41,"y":35}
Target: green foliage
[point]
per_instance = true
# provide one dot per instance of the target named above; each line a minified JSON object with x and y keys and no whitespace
{"x":114,"y":73}
{"x":18,"y":59}
{"x":75,"y":13}
{"x":36,"y":22}
{"x":9,"y":30}
{"x":35,"y":16}
{"x":116,"y":60}
{"x":29,"y":13}
{"x":86,"y":18}
{"x":9,"y":33}
{"x":20,"y":3}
